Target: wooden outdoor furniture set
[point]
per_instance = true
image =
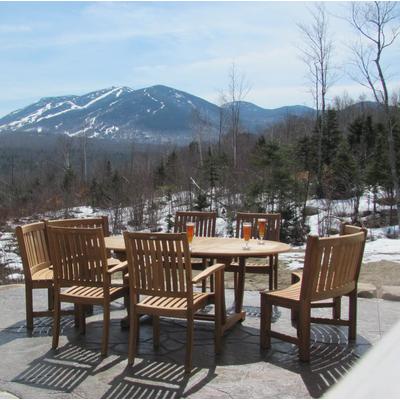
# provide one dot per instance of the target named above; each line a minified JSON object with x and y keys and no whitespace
{"x":74,"y":255}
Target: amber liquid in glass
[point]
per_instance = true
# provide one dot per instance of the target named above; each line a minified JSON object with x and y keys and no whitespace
{"x":261,"y":230}
{"x":246,"y":234}
{"x":190,"y":232}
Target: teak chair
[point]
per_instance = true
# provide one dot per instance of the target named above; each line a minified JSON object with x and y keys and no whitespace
{"x":335,"y":303}
{"x":272,"y":232}
{"x":38,"y":270}
{"x":93,"y":222}
{"x":205,"y":222}
{"x":80,"y":261}
{"x":205,"y":225}
{"x":331,"y":269}
{"x":160,"y":269}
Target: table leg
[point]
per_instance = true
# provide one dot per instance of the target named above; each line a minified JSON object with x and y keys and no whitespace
{"x":240,"y":285}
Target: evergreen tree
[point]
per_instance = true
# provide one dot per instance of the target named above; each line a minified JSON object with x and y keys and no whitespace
{"x":346,"y":175}
{"x":330,"y":138}
{"x":201,"y":202}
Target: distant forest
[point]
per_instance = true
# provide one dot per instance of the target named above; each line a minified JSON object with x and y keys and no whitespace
{"x":276,"y":171}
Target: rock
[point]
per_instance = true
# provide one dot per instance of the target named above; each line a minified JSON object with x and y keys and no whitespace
{"x":366,"y":290}
{"x":391,"y":293}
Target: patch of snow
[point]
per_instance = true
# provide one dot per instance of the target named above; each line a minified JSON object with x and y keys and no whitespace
{"x":382,"y":249}
{"x":112,"y":103}
{"x":15,"y":276}
{"x":154,"y":99}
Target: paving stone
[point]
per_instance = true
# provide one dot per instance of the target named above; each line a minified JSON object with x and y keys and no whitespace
{"x":29,"y":368}
{"x":390,"y":293}
{"x":7,"y":395}
{"x":366,"y":290}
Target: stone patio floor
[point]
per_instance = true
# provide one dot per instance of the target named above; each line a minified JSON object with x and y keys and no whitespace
{"x":29,"y":368}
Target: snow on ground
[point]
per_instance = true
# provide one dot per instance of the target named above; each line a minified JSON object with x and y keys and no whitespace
{"x":378,"y":246}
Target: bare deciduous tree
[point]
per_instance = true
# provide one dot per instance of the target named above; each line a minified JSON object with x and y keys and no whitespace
{"x":316,"y":53}
{"x":378,"y":26}
{"x":200,"y":125}
{"x":238,"y":89}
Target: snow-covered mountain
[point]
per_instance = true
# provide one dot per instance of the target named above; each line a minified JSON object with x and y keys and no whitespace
{"x":154,"y":114}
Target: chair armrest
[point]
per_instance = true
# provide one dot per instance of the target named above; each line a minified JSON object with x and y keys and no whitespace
{"x":120,"y":267}
{"x":297,"y":276}
{"x":207,"y":272}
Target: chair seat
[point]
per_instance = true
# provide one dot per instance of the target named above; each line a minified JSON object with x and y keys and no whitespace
{"x":82,"y":293}
{"x":176,"y":305}
{"x":290,"y":293}
{"x":45,"y":274}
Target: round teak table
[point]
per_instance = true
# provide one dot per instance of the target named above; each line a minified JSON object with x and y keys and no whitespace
{"x":223,"y":250}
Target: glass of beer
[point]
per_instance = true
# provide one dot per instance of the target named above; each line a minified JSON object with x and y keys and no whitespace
{"x":261,"y":230}
{"x":246,"y":234}
{"x":190,"y":233}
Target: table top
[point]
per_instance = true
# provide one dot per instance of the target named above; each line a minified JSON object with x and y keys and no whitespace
{"x":217,"y":247}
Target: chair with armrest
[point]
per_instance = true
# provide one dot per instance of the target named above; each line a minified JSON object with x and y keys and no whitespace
{"x":331,"y":269}
{"x":205,"y":222}
{"x":272,"y":232}
{"x":38,"y":271}
{"x":92,"y":222}
{"x":204,"y":226}
{"x":80,"y":262}
{"x":161,"y":284}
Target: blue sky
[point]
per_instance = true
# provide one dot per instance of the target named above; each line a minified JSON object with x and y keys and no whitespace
{"x":57,"y":48}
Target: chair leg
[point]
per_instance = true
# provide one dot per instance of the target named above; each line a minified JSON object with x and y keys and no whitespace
{"x":89,"y":309}
{"x":353,"y":315}
{"x":189,"y":343}
{"x":265,"y":324}
{"x":303,"y":329}
{"x":56,"y":319}
{"x":106,"y":327}
{"x":126,"y":297}
{"x":50,"y":298}
{"x":219,"y":293}
{"x":294,"y":315}
{"x":133,"y":335}
{"x":276,"y":272}
{"x":336,"y":310}
{"x":76,"y":315}
{"x":271,"y":278}
{"x":82,"y":318}
{"x":156,"y":331}
{"x":29,"y":306}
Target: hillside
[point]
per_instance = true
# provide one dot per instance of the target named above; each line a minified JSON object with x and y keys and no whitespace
{"x":155,"y":114}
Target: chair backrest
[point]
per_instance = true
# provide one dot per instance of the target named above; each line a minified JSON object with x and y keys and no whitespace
{"x":347,"y":229}
{"x":205,"y":222}
{"x":272,"y":227}
{"x":94,"y":222}
{"x":33,"y":246}
{"x":331,"y":266}
{"x":79,"y":256}
{"x":159,"y":264}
